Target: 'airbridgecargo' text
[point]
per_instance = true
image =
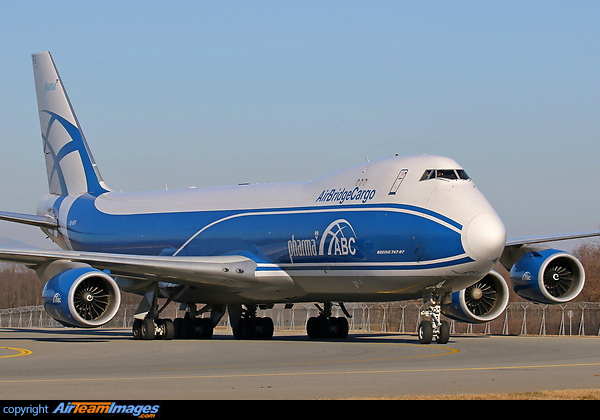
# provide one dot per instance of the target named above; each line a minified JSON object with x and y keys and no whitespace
{"x":343,"y":195}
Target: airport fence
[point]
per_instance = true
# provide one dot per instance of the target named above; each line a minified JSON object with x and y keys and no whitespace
{"x":520,"y":318}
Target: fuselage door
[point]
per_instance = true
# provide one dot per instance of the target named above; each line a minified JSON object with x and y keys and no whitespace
{"x":398,"y":181}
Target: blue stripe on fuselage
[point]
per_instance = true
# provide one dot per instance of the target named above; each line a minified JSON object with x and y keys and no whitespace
{"x":347,"y":234}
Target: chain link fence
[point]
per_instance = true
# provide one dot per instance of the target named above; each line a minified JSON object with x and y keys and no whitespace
{"x":520,"y":318}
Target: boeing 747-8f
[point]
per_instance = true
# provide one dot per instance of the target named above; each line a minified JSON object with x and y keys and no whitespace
{"x":405,"y":227}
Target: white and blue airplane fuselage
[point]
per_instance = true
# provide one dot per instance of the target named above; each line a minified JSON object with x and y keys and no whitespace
{"x":405,"y":227}
{"x":373,"y":232}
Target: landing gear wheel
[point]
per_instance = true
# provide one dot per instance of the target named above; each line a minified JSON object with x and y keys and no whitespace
{"x":434,"y":327}
{"x":188,"y":328}
{"x":444,"y":333}
{"x":318,"y":327}
{"x":254,"y":328}
{"x":425,"y":332}
{"x":203,"y":328}
{"x":165,"y":329}
{"x":244,"y":329}
{"x":147,"y":329}
{"x":264,"y":328}
{"x":327,"y":326}
{"x":146,"y":324}
{"x":137,"y":329}
{"x":339,"y":327}
{"x":181,"y":329}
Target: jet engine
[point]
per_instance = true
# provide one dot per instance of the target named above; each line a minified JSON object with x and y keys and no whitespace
{"x":480,"y":302}
{"x":547,"y":276}
{"x":80,"y":296}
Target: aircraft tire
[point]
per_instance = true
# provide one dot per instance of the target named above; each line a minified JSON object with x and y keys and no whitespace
{"x":425,"y":332}
{"x":444,"y":334}
{"x":245,"y":329}
{"x":264,"y":328}
{"x":203,"y":328}
{"x":318,"y":327}
{"x":137,"y":329}
{"x":147,"y":329}
{"x":339,"y":327}
{"x":254,"y":329}
{"x":166,"y":329}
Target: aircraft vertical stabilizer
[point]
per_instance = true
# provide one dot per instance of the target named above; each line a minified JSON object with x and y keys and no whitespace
{"x":69,"y":163}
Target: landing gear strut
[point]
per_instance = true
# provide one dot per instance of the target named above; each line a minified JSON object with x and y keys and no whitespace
{"x":326,"y":326}
{"x":434,"y":328}
{"x":147,"y":325}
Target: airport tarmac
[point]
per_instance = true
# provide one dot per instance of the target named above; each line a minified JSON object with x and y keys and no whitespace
{"x":107,"y":364}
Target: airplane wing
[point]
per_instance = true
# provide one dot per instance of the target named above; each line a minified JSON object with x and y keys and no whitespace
{"x":515,"y":247}
{"x":231,"y":271}
{"x":527,"y":240}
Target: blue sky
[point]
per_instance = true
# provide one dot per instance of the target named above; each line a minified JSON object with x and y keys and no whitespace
{"x":197,"y":93}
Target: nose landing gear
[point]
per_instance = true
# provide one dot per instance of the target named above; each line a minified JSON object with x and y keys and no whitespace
{"x":434,"y":328}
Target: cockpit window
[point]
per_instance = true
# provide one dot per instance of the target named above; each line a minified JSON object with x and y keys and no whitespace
{"x":462,"y":174}
{"x":427,"y":174}
{"x":445,"y":174}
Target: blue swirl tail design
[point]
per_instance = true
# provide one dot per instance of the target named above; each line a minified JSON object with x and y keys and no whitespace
{"x":69,"y":163}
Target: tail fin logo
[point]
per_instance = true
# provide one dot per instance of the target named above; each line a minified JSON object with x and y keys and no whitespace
{"x":50,"y":86}
{"x":69,"y":164}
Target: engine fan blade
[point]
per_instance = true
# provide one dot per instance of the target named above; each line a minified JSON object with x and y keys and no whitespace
{"x":480,"y":298}
{"x":91,"y":299}
{"x":558,"y":279}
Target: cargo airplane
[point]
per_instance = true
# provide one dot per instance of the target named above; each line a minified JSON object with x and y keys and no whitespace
{"x":404,"y":227}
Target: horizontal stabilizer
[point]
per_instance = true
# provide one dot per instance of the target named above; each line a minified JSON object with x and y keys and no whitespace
{"x":29,"y":219}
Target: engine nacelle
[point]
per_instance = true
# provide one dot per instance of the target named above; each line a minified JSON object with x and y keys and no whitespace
{"x":548,"y":276}
{"x":480,"y":302}
{"x":81,"y":297}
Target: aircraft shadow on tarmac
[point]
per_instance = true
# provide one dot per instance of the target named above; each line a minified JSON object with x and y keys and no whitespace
{"x":66,"y":335}
{"x":107,"y":335}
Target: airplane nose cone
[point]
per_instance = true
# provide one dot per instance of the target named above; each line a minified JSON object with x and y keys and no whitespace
{"x":485,"y":237}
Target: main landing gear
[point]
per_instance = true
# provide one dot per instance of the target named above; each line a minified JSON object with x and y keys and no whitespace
{"x":434,"y":328}
{"x":148,"y":325}
{"x":185,"y":328}
{"x":326,"y":326}
{"x":247,"y":326}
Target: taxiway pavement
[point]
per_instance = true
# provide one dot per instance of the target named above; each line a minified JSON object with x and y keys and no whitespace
{"x":107,"y":364}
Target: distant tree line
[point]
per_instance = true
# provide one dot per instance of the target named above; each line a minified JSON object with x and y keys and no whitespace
{"x":20,"y":286}
{"x":589,"y":255}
